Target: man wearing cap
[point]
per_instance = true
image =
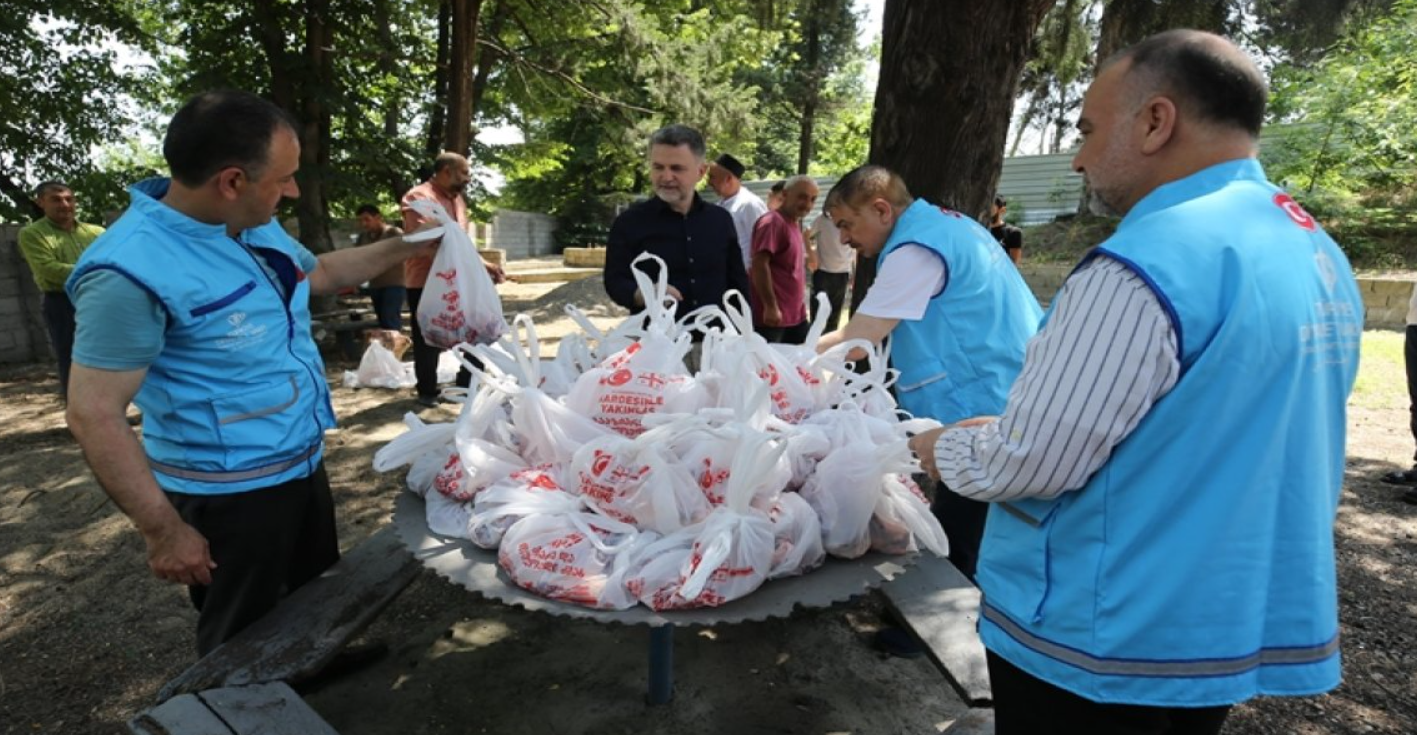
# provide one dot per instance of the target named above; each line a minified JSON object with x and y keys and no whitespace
{"x":725,"y":177}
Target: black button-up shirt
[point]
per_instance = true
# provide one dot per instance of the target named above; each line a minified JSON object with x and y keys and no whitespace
{"x":700,"y":249}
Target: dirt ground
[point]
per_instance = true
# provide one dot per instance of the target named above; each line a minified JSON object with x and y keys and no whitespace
{"x":87,"y":636}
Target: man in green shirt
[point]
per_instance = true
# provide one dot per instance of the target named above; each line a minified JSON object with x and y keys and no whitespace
{"x":51,"y":245}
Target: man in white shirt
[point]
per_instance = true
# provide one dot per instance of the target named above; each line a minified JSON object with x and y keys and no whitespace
{"x":725,"y":177}
{"x":833,"y":259}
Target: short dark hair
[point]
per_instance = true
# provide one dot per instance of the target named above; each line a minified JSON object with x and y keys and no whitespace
{"x":1203,"y":72}
{"x":869,"y":182}
{"x":218,"y":129}
{"x":1000,"y":201}
{"x":677,"y":135}
{"x":369,"y":209}
{"x":779,"y":186}
{"x":51,"y":185}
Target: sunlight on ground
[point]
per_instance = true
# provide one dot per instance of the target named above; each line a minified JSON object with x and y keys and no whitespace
{"x":1382,"y":379}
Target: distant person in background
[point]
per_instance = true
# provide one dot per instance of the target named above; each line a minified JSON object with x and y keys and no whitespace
{"x":51,"y":245}
{"x":775,"y":196}
{"x":833,"y":260}
{"x":779,"y":270}
{"x":725,"y":177}
{"x":1409,"y":353}
{"x":451,"y":175}
{"x":1009,"y":237}
{"x":386,"y":290}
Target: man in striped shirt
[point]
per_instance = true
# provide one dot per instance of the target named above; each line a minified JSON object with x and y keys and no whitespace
{"x":1165,"y":476}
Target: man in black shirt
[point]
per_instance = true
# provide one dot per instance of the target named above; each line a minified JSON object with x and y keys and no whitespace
{"x":1009,"y":237}
{"x":696,"y":240}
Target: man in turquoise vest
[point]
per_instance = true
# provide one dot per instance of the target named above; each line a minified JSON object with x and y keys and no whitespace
{"x":195,"y":305}
{"x":1165,"y":477}
{"x":956,"y":309}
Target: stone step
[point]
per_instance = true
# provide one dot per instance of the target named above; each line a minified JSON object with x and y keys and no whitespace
{"x":553,"y":275}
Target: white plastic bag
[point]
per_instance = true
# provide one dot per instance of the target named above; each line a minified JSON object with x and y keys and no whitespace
{"x":528,"y":492}
{"x":638,"y":481}
{"x":412,"y":444}
{"x":797,"y":537}
{"x":379,"y":368}
{"x":460,"y":302}
{"x":903,"y":522}
{"x":570,"y":557}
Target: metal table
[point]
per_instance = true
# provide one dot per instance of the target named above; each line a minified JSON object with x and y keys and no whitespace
{"x":462,"y":562}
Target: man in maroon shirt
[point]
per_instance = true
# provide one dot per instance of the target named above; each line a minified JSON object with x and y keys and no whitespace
{"x":779,"y":265}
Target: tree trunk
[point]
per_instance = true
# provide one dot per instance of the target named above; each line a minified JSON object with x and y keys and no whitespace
{"x":394,"y":179}
{"x":488,"y":57}
{"x":1124,"y":22}
{"x":458,"y":137}
{"x":312,"y":209}
{"x":812,"y":83}
{"x":433,"y":138}
{"x":949,"y":74}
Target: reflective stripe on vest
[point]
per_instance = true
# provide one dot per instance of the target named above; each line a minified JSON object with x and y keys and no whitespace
{"x":295,"y":396}
{"x":1144,"y":667}
{"x":235,"y":475}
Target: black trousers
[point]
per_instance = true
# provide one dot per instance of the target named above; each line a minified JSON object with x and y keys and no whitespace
{"x":793,"y":335}
{"x":265,"y":543}
{"x":425,"y":356}
{"x":1409,"y":358}
{"x":388,"y":306}
{"x":1026,"y":705}
{"x":834,"y":286}
{"x":963,"y":521}
{"x":59,"y":320}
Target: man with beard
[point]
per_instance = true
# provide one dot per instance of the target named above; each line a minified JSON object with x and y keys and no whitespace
{"x":779,"y":266}
{"x":696,"y":240}
{"x":451,"y":175}
{"x":1164,"y":480}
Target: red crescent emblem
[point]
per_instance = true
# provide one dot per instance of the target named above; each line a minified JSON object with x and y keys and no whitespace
{"x":1295,"y":212}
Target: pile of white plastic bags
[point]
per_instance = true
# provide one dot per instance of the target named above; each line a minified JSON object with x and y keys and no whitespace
{"x":610,"y":476}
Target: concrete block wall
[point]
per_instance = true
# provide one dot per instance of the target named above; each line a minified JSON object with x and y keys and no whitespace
{"x":1384,"y":299}
{"x":22,"y":334}
{"x":522,"y":234}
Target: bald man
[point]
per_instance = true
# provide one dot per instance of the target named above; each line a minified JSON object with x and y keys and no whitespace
{"x":1164,"y":478}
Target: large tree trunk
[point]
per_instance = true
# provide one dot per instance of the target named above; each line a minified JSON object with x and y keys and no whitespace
{"x":1124,"y":22}
{"x":488,"y":57}
{"x":458,"y":137}
{"x":813,"y":82}
{"x":312,"y":209}
{"x":394,"y":178}
{"x":433,"y":138}
{"x":949,"y":75}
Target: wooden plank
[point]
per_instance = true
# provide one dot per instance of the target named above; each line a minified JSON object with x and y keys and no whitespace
{"x":974,"y":722}
{"x":265,"y":709}
{"x":307,"y":629}
{"x":941,"y":606}
{"x":184,"y":715}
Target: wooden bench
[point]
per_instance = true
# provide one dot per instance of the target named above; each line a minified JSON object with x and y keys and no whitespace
{"x":346,"y":325}
{"x":941,"y":607}
{"x":291,"y":644}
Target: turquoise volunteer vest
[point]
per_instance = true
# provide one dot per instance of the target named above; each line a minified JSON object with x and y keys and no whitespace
{"x":237,"y":400}
{"x":1196,"y":568}
{"x":960,"y":359}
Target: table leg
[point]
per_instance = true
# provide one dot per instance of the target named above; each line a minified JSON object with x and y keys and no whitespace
{"x":661,"y":664}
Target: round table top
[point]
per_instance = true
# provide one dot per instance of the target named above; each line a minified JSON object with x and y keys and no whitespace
{"x":464,"y":563}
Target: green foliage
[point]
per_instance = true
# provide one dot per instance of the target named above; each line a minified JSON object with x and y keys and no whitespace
{"x":63,"y":88}
{"x":1346,"y":142}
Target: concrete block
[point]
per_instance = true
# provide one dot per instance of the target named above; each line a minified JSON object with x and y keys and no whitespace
{"x":584,"y":257}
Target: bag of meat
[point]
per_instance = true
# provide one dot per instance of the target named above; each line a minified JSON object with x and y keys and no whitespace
{"x":528,"y":492}
{"x":639,"y":481}
{"x":647,"y":376}
{"x":902,"y":521}
{"x":733,"y":551}
{"x":797,"y":537}
{"x":460,"y":302}
{"x":572,"y":557}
